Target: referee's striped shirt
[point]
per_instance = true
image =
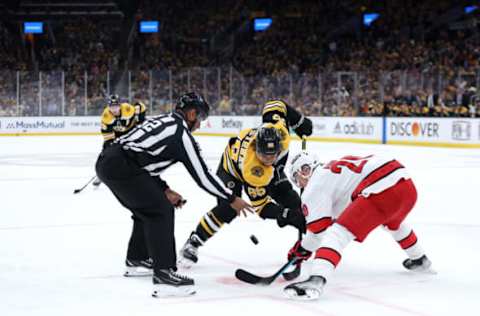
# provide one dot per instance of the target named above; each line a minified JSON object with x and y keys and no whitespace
{"x":161,"y":141}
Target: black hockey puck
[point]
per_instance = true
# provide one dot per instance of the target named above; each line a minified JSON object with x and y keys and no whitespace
{"x":254,"y":239}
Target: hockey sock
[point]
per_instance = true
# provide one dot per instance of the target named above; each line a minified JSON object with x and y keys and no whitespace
{"x":209,"y":225}
{"x":407,"y":239}
{"x":329,"y":254}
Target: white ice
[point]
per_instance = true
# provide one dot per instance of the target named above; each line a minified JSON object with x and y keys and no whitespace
{"x":63,"y":254}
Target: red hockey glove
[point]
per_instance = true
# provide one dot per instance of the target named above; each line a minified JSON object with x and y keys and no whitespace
{"x":299,"y":252}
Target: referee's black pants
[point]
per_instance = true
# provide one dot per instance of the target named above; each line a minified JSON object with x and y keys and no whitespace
{"x":153,"y":214}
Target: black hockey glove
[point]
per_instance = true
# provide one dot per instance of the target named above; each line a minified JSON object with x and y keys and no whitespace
{"x":292,"y":217}
{"x":304,"y":127}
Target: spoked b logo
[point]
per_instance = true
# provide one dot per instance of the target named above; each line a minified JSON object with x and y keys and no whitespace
{"x":461,"y":130}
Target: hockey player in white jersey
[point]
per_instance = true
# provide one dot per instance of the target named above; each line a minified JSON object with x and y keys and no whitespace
{"x":344,"y":200}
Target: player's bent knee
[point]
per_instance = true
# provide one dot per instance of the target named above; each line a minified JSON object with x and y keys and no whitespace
{"x":224,"y":213}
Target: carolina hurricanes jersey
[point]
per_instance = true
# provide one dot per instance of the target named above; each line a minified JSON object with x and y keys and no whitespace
{"x":336,"y":184}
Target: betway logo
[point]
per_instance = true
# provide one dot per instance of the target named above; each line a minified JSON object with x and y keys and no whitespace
{"x":231,"y":123}
{"x":427,"y":129}
{"x":354,"y":128}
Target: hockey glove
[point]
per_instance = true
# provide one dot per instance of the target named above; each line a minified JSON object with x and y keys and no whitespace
{"x":299,"y":252}
{"x":292,"y":217}
{"x":304,"y":128}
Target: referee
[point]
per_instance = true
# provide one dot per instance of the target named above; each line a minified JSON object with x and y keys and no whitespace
{"x":131,"y":168}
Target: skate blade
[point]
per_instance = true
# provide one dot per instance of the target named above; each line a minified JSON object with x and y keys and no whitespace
{"x":165,"y":291}
{"x":310,"y":294}
{"x":137,"y":272}
{"x":428,"y":270}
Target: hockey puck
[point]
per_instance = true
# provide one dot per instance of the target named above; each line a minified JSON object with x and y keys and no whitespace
{"x":254,"y":239}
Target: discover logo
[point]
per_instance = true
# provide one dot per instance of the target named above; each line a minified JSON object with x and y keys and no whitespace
{"x":427,"y":129}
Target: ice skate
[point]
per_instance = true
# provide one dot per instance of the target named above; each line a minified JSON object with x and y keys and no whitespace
{"x":311,"y":289}
{"x":138,"y":268}
{"x":168,"y":283}
{"x":421,"y":265}
{"x":96,"y":183}
{"x":189,"y":252}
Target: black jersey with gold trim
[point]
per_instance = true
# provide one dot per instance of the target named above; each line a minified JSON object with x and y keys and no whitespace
{"x":278,"y":111}
{"x":115,"y":126}
{"x":240,"y":160}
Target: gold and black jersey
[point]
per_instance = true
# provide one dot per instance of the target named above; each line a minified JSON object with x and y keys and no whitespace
{"x":240,"y":161}
{"x":275,"y":111}
{"x":115,"y":126}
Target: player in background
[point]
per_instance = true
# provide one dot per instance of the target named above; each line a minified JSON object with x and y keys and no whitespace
{"x":247,"y":163}
{"x":344,"y":200}
{"x":117,"y":119}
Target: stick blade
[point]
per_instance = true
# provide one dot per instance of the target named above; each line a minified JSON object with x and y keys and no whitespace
{"x":250,"y":278}
{"x":289,"y":276}
{"x":76,"y":191}
{"x":247,"y":277}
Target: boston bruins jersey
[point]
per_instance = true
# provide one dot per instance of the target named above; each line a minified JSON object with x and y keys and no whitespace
{"x":240,"y":161}
{"x":278,"y":111}
{"x":115,"y":126}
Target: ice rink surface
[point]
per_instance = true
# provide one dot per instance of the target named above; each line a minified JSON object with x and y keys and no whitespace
{"x":63,"y":254}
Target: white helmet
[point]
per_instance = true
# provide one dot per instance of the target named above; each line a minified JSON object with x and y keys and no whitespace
{"x":302,"y":166}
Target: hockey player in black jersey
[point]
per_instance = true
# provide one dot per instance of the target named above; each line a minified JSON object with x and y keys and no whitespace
{"x":131,"y":168}
{"x":120,"y":117}
{"x":267,"y":186}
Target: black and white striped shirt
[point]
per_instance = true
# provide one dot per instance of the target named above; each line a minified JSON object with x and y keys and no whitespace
{"x":164,"y":140}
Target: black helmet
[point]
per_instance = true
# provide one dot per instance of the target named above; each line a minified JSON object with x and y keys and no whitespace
{"x":196,"y":101}
{"x":268,"y":141}
{"x":114,"y":100}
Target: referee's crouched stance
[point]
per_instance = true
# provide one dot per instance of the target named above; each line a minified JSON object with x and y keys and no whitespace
{"x":131,"y":168}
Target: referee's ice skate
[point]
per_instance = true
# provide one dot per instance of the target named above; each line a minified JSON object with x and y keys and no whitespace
{"x":138,"y":268}
{"x":168,"y":283}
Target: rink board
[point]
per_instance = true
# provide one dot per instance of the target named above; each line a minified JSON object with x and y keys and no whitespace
{"x":438,"y":132}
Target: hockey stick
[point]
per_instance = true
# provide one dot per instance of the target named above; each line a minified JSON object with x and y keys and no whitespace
{"x":251,"y":278}
{"x":288,"y":276}
{"x":298,"y":268}
{"x":86,"y":184}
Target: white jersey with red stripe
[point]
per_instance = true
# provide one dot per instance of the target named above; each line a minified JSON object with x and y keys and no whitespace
{"x":336,"y":184}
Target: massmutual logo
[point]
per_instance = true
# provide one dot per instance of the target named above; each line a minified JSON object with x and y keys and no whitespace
{"x":461,"y":130}
{"x":354,"y":128}
{"x":416,"y":129}
{"x":35,"y":124}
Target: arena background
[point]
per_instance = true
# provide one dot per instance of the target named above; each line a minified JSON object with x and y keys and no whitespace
{"x":372,"y":75}
{"x":341,"y":59}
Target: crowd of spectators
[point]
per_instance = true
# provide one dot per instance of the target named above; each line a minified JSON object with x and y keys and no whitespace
{"x":404,"y":64}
